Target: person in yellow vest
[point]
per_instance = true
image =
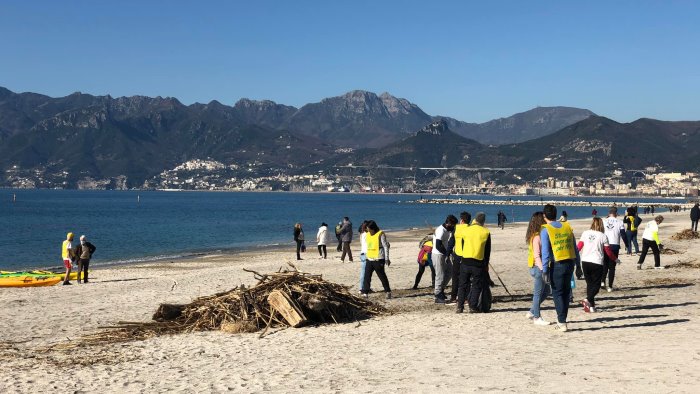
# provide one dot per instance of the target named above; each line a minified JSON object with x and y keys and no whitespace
{"x":473,"y":245}
{"x":68,"y":256}
{"x":541,"y":289}
{"x":464,"y":219}
{"x":559,"y":257}
{"x":377,"y":257}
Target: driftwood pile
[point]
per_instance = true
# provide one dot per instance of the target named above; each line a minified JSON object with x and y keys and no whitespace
{"x":283,"y":299}
{"x":685,"y":234}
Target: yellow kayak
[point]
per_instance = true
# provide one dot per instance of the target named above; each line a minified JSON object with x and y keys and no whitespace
{"x":29,"y":281}
{"x":8,"y":274}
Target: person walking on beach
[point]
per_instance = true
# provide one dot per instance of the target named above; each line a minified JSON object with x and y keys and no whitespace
{"x":322,"y":240}
{"x":564,"y":216}
{"x":650,"y":239}
{"x":377,"y":258}
{"x":443,"y":269}
{"x":363,"y":252}
{"x":84,"y":253}
{"x":615,"y":231}
{"x":346,"y":237}
{"x":475,"y":247}
{"x":338,"y":237}
{"x":68,"y":256}
{"x":595,"y":212}
{"x":299,"y":239}
{"x":464,"y":219}
{"x":694,"y":217}
{"x":559,"y":257}
{"x":632,"y":222}
{"x":541,"y":288}
{"x":501,"y":219}
{"x":593,"y":247}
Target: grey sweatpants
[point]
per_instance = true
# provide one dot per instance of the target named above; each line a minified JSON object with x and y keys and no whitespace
{"x":443,"y":271}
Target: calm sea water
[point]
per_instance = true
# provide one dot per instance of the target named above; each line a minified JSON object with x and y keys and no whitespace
{"x":173,"y":224}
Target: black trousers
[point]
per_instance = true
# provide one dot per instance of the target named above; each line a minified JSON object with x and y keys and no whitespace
{"x":456,"y":272}
{"x":83,"y":267}
{"x":610,"y":265}
{"x":322,"y":251}
{"x":594,"y":276}
{"x":694,"y":225}
{"x":346,"y":250}
{"x":471,"y":282}
{"x":646,"y":244}
{"x":340,"y":244}
{"x":377,"y":266}
{"x":419,"y":275}
{"x":299,"y":242}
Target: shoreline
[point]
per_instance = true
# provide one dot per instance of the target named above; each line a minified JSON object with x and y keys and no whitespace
{"x":647,"y":303}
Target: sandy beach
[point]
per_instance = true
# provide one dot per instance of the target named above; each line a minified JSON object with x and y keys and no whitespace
{"x":643,"y":340}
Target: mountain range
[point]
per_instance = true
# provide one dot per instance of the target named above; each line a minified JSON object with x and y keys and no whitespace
{"x":82,"y":135}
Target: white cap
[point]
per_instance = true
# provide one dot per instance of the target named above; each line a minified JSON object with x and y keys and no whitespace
{"x":82,"y":238}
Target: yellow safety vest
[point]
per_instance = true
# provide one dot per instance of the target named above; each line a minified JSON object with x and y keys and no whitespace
{"x":530,"y":254}
{"x":562,"y":241}
{"x":460,"y":235}
{"x":65,"y":253}
{"x":475,"y":238}
{"x":373,"y":245}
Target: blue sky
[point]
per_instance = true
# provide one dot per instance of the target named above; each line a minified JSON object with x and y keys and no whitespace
{"x":474,"y":61}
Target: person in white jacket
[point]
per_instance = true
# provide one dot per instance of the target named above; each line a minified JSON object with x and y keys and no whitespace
{"x":650,"y":239}
{"x":322,"y":240}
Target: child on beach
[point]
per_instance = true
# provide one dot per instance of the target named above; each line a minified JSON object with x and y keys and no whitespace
{"x":424,"y":260}
{"x":534,"y":262}
{"x":593,"y":247}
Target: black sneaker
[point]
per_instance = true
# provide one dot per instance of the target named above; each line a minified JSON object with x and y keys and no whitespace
{"x":459,"y":310}
{"x":451,"y":301}
{"x":66,"y":283}
{"x":388,"y":296}
{"x":439,"y":300}
{"x":472,"y":310}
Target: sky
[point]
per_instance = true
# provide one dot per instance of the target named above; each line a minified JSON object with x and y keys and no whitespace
{"x":470,"y":60}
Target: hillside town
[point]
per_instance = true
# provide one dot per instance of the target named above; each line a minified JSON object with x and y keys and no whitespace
{"x":214,"y":175}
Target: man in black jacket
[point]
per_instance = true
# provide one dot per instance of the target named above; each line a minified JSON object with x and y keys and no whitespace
{"x":694,"y":217}
{"x":84,"y":254}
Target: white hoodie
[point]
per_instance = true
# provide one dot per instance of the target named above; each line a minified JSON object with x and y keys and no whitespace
{"x":322,"y":235}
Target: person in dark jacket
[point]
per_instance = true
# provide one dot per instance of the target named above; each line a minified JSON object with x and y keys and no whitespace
{"x":299,"y":239}
{"x":84,"y":254}
{"x":346,"y":238}
{"x":694,"y":217}
{"x":337,"y":236}
{"x":632,"y":222}
{"x":501,"y":219}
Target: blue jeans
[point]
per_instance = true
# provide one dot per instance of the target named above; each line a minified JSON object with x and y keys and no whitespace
{"x":363,"y":260}
{"x":632,"y":239}
{"x":560,"y":277}
{"x":540,"y":293}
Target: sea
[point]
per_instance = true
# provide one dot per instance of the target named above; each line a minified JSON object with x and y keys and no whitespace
{"x":138,"y":226}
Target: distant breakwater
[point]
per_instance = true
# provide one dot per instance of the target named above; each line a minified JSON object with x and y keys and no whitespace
{"x":572,"y":203}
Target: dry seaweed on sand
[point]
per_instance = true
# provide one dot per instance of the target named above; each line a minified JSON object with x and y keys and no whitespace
{"x":669,"y":251}
{"x":685,"y":234}
{"x":287,"y":298}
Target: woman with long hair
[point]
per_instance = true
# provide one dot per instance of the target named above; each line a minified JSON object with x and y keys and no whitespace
{"x":534,"y":262}
{"x":377,"y":257}
{"x":593,"y":246}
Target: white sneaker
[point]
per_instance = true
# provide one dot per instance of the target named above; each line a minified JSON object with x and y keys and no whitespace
{"x":661,"y":267}
{"x":562,"y":327}
{"x":540,"y":322}
{"x":529,"y":315}
{"x":592,"y":309}
{"x":610,"y":289}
